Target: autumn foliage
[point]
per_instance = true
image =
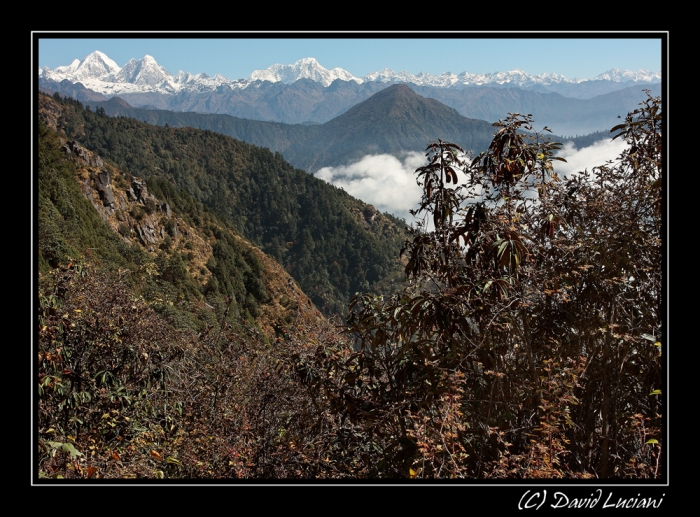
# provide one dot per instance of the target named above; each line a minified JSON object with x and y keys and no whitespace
{"x":528,"y":340}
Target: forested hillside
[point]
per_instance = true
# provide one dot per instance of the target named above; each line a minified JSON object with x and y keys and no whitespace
{"x":90,"y":210}
{"x":331,"y":243}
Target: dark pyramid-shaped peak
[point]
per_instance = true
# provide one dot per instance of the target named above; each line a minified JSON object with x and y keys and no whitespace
{"x":393,"y":120}
{"x":117,"y":102}
{"x":398,"y":103}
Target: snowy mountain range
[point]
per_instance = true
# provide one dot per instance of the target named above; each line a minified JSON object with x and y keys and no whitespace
{"x":101,"y":74}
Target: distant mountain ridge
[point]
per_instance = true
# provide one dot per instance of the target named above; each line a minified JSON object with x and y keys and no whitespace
{"x":307,"y":93}
{"x":393,"y":120}
{"x":101,"y":74}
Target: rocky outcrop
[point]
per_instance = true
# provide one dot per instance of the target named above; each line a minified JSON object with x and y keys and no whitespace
{"x":49,"y":112}
{"x":134,"y":207}
{"x":146,"y":231}
{"x":103,"y":187}
{"x":370,"y":214}
{"x":77,"y":152}
{"x":138,"y":190}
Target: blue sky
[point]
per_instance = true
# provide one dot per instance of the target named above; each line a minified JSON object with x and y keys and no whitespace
{"x":582,"y":55}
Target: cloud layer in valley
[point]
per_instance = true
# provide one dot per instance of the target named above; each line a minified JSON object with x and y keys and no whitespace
{"x":578,"y":160}
{"x":389,"y":183}
{"x":381,"y":180}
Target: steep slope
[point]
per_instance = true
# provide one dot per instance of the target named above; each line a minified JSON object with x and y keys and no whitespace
{"x":88,"y":208}
{"x":331,"y":243}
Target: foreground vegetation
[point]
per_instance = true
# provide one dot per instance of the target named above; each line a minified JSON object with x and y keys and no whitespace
{"x":526,"y":343}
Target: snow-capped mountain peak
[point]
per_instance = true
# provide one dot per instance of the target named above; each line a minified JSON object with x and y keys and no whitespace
{"x":617,"y":75}
{"x":306,"y":68}
{"x":146,"y":72}
{"x":445,"y":80}
{"x":95,"y":65}
{"x":70,"y":68}
{"x":99,"y":73}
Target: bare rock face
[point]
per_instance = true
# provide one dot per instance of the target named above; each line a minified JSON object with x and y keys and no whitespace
{"x":139,"y":190}
{"x":125,"y":204}
{"x":132,"y":195}
{"x":102,"y":183}
{"x":370,"y":214}
{"x":74,"y":150}
{"x":146,"y":232}
{"x":50,"y":112}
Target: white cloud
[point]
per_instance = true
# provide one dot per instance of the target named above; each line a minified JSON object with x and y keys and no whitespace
{"x":389,"y":183}
{"x":577,"y":160}
{"x":381,"y":180}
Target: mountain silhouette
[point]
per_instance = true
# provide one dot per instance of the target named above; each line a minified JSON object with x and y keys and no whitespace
{"x":392,"y":121}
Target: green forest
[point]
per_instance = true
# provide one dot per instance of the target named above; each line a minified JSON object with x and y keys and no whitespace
{"x":305,"y":224}
{"x":518,"y":337}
